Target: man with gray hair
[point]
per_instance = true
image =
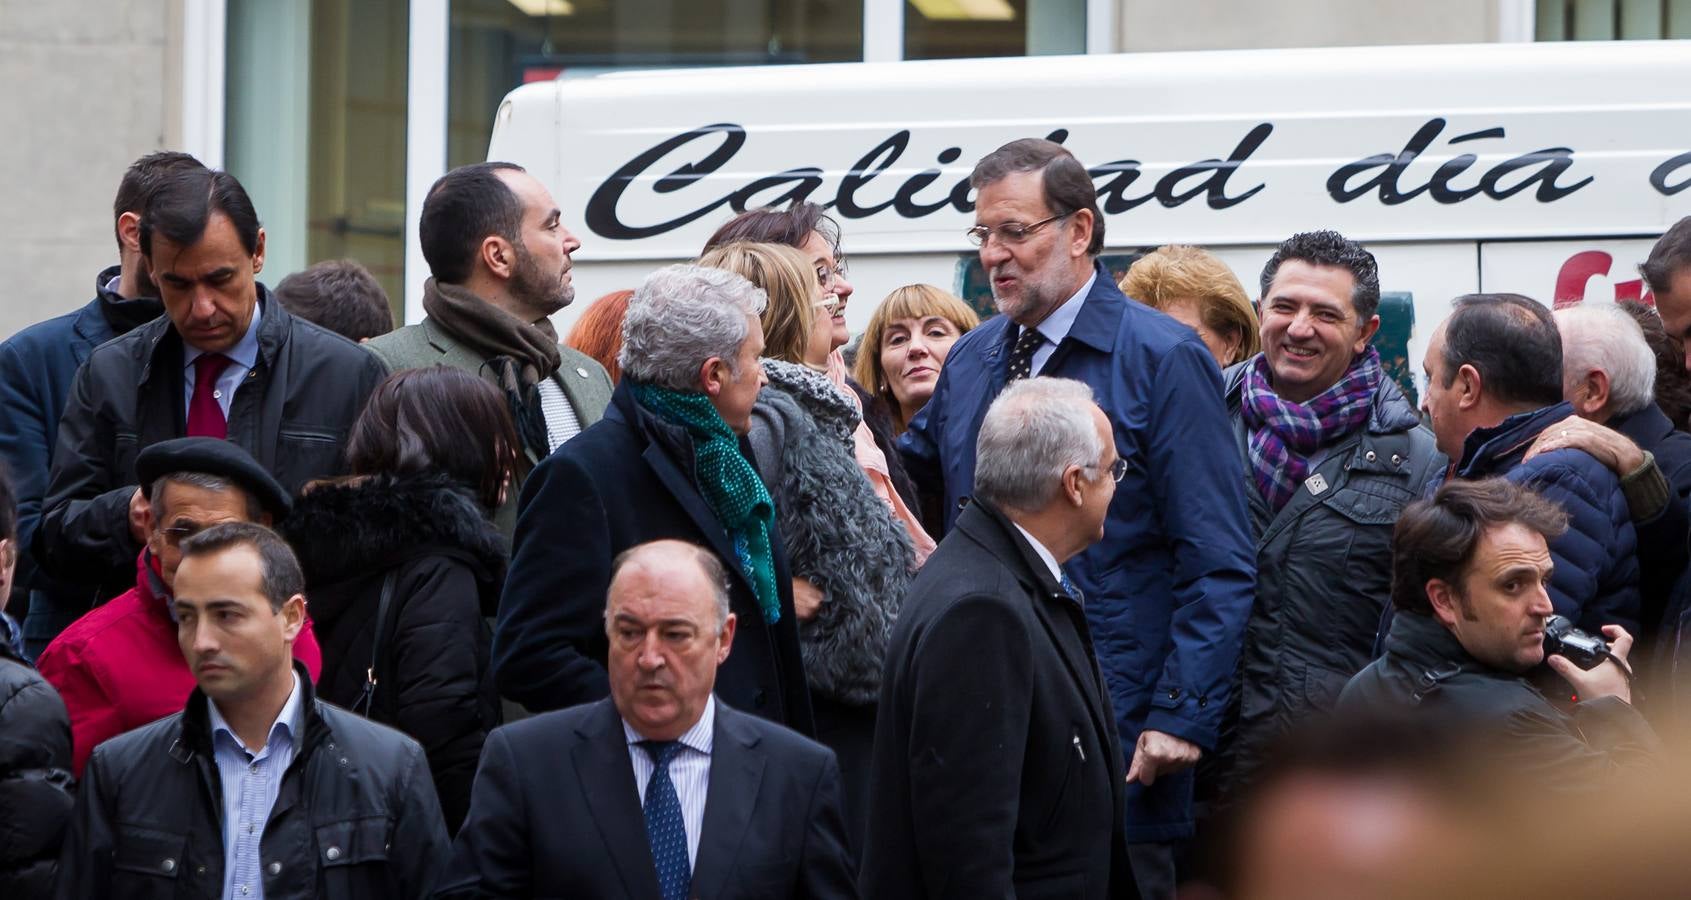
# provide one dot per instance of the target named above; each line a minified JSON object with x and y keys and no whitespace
{"x":997,"y":767}
{"x":669,"y":460}
{"x":1609,"y":375}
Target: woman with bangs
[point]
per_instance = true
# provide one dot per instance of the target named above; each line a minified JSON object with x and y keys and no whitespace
{"x":905,"y":347}
{"x":1199,"y":291}
{"x":850,"y":556}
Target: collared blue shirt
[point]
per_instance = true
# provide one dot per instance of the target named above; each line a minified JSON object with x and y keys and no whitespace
{"x":1057,"y":325}
{"x":689,"y":771}
{"x":251,"y":782}
{"x":243,"y":356}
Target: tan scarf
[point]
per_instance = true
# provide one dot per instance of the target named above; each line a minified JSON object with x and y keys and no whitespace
{"x":519,"y":354}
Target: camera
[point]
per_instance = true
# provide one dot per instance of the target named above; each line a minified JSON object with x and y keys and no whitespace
{"x":1583,"y":650}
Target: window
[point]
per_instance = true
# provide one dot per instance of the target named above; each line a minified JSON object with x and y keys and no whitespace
{"x":1609,"y":20}
{"x":951,"y":29}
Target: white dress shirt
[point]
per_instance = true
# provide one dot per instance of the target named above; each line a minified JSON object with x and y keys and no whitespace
{"x":1045,"y":555}
{"x":1057,"y":325}
{"x":689,"y":771}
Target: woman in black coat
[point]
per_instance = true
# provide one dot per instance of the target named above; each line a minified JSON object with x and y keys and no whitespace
{"x":432,"y":455}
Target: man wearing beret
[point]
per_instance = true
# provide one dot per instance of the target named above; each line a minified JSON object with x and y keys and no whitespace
{"x":119,"y":666}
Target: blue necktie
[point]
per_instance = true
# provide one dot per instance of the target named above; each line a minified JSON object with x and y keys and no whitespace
{"x":1070,"y":589}
{"x":664,"y":827}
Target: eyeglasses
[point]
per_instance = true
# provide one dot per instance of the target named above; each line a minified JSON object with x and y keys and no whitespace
{"x":1009,"y":232}
{"x":176,"y":534}
{"x":1118,"y":469}
{"x":827,"y":276}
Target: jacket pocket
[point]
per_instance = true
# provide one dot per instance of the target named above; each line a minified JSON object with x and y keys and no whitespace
{"x":1074,"y":751}
{"x":150,"y":862}
{"x":354,"y":842}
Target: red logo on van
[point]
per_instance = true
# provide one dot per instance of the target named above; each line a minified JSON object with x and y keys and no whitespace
{"x":1586,"y":265}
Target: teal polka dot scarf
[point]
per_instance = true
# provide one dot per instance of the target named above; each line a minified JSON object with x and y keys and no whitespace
{"x":728,"y":482}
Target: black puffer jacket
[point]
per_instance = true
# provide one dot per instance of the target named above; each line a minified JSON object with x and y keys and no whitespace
{"x":840,"y":536}
{"x":35,"y":784}
{"x":355,"y":815}
{"x":292,"y":413}
{"x":1323,"y":569}
{"x":1427,"y":669}
{"x":448,"y":562}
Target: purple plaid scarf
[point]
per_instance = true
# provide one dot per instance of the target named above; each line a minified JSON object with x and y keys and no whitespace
{"x":1284,"y":434}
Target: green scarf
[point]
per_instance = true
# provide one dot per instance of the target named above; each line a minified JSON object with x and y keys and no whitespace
{"x":731,"y":487}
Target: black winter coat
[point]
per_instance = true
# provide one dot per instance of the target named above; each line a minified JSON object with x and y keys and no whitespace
{"x":356,"y":816}
{"x":1426,"y":669}
{"x":292,"y":413}
{"x":447,"y":561}
{"x":1324,"y":569}
{"x":627,"y":480}
{"x":1662,"y":541}
{"x":36,"y":792}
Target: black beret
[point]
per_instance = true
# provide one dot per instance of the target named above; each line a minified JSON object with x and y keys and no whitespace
{"x":211,"y":456}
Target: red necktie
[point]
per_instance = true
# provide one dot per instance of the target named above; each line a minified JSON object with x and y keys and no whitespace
{"x":205,"y":415}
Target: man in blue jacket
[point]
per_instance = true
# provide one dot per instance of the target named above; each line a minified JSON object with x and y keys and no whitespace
{"x":1169,"y":588}
{"x":36,"y":368}
{"x":1494,"y":383}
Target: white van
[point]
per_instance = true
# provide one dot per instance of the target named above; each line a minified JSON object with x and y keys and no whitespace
{"x":1545,"y":169}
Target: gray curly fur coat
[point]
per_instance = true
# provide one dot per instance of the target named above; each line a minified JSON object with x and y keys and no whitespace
{"x":839,"y":535}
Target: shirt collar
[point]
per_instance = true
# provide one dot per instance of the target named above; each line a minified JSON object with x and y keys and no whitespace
{"x":1057,"y":325}
{"x":287,"y":722}
{"x":700,"y":737}
{"x":1045,"y":555}
{"x":245,"y":351}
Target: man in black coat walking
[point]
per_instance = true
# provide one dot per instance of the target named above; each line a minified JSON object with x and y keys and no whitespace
{"x":997,"y":769}
{"x":669,"y":460}
{"x":224,"y":361}
{"x":256,"y":788}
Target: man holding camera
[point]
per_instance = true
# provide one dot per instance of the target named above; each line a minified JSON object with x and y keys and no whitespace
{"x":1470,"y":568}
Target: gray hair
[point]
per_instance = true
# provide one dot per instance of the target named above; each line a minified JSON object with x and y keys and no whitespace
{"x":204,"y":481}
{"x":1032,"y":433}
{"x":1603,"y":336}
{"x":681,"y":316}
{"x":709,"y":566}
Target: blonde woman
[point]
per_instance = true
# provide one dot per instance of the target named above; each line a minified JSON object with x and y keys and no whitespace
{"x":1200,"y":292}
{"x":850,"y":557}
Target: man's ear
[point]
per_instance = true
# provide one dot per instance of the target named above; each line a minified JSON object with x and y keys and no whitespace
{"x":129,"y":232}
{"x":258,"y":253}
{"x":1442,"y":598}
{"x":1082,"y":240}
{"x":713,"y":376}
{"x":1596,"y":394}
{"x":1074,"y":485}
{"x":1368,"y":330}
{"x":727,"y":639}
{"x":499,"y":256}
{"x":293,"y":617}
{"x":1468,"y":387}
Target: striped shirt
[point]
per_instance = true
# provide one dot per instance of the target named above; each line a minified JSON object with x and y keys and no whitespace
{"x":251,"y":782}
{"x":689,"y":771}
{"x":561,"y":421}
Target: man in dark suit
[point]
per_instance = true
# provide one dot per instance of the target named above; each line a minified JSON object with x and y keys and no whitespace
{"x":660,"y":791}
{"x":669,"y":460}
{"x":1169,"y":594}
{"x":997,"y":769}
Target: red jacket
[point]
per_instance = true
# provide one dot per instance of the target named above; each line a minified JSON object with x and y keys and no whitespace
{"x":119,"y":667}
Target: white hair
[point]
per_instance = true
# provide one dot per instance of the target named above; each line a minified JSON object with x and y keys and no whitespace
{"x":1604,"y":337}
{"x":681,"y":316}
{"x":1032,"y":433}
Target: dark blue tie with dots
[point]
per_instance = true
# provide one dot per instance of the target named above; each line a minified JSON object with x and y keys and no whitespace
{"x":664,"y":827}
{"x":1021,"y":355}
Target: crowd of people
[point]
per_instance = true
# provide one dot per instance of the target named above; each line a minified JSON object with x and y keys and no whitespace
{"x":708,"y":599}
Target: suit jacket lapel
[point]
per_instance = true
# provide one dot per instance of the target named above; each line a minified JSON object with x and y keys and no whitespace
{"x":736,"y":775}
{"x":687,"y":494}
{"x":607,"y":779}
